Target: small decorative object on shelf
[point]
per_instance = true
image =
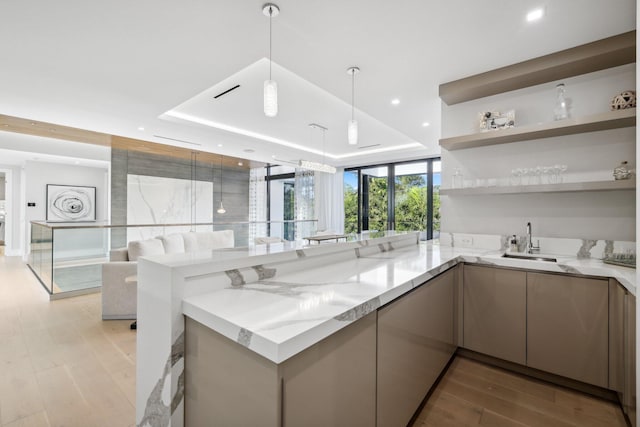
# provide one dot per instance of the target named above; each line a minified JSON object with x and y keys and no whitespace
{"x":560,"y":112}
{"x":457,"y":180}
{"x":626,"y":99}
{"x":493,"y":120}
{"x":622,"y":172}
{"x":626,"y":260}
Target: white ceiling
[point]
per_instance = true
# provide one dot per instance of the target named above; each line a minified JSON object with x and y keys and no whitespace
{"x":116,"y":66}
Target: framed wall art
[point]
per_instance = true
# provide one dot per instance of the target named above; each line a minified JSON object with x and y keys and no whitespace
{"x":71,"y":203}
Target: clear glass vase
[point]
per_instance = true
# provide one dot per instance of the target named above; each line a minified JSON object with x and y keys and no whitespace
{"x":560,"y":112}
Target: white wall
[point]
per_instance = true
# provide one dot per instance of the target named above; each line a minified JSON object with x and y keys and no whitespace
{"x":39,"y":174}
{"x":590,"y":156}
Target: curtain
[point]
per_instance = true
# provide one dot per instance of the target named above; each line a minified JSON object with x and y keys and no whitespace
{"x":304,"y":203}
{"x":329,"y":201}
{"x":257,"y":204}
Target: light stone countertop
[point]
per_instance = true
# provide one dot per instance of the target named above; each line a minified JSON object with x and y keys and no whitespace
{"x":285,"y":311}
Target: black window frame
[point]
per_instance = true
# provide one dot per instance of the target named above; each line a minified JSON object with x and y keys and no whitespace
{"x":391,"y":215}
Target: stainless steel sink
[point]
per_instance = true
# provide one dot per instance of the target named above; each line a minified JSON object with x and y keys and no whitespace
{"x":530,"y":257}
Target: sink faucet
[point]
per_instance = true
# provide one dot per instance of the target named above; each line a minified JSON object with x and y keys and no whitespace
{"x":530,"y":248}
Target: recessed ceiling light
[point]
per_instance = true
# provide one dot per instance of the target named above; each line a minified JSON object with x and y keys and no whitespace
{"x":33,"y":123}
{"x":425,"y":124}
{"x":76,"y":162}
{"x":140,"y":127}
{"x":219,"y":145}
{"x":535,"y":14}
{"x":239,"y":163}
{"x":395,"y":101}
{"x":274,"y":156}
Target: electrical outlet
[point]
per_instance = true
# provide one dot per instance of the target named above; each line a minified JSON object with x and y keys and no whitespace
{"x":466,"y":240}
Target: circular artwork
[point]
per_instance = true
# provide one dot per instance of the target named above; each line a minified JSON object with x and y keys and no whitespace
{"x":71,"y":204}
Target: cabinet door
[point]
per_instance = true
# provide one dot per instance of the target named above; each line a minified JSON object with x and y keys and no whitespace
{"x":415,"y":342}
{"x":333,"y":382}
{"x":629,"y":394}
{"x":494,"y":302}
{"x":567,"y":326}
{"x":616,"y":336}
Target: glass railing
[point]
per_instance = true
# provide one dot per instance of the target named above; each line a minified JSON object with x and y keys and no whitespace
{"x":67,"y":258}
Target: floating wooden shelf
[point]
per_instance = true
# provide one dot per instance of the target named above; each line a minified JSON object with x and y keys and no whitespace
{"x":569,"y":187}
{"x":599,"y":55}
{"x":604,"y":121}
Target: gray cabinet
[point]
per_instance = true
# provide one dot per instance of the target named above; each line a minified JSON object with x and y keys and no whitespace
{"x":567,"y":326}
{"x":495,"y":302}
{"x":622,"y":347}
{"x":415,"y":342}
{"x":332,"y":383}
{"x":629,"y":392}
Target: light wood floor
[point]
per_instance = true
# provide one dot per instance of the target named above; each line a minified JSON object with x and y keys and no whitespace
{"x":474,"y":394}
{"x":61,"y":365}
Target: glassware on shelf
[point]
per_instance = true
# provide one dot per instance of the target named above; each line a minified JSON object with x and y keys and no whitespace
{"x":457,"y":179}
{"x":562,"y":169}
{"x":535,"y":175}
{"x":560,"y":112}
{"x":622,"y":171}
{"x":516,"y":175}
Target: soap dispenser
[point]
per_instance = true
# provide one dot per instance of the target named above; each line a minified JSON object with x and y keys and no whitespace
{"x":513,"y":243}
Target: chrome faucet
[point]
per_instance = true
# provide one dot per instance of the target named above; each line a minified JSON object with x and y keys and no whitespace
{"x":530,"y":248}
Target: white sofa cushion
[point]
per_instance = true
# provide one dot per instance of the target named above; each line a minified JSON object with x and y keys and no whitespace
{"x":149,"y":247}
{"x":173,"y":243}
{"x":207,"y":240}
{"x":215,"y":240}
{"x":190,"y":242}
{"x":119,"y":254}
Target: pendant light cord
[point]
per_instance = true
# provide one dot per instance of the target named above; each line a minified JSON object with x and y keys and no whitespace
{"x":353,"y":93}
{"x":221,"y":180}
{"x":270,"y":17}
{"x":324,"y":152}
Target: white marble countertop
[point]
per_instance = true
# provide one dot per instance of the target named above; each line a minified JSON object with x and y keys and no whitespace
{"x":281,"y":316}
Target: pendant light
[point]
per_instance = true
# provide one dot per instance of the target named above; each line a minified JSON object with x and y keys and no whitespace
{"x":270,"y":86}
{"x":221,"y":209}
{"x":352,"y":129}
{"x":320,"y":167}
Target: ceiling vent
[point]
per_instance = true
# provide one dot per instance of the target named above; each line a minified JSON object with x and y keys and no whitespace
{"x":177,"y":140}
{"x":226,"y":92}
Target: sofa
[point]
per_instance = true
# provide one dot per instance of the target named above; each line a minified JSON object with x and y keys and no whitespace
{"x":119,"y":275}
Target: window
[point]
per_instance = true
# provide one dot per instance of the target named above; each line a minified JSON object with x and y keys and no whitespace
{"x":400,"y":196}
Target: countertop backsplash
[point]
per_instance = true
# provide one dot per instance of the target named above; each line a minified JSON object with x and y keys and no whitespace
{"x":580,"y":248}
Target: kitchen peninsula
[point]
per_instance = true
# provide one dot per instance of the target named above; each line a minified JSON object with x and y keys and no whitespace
{"x":321,"y":335}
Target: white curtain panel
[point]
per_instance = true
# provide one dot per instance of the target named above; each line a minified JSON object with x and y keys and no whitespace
{"x":329,"y":201}
{"x":257,"y":203}
{"x":304,"y":203}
